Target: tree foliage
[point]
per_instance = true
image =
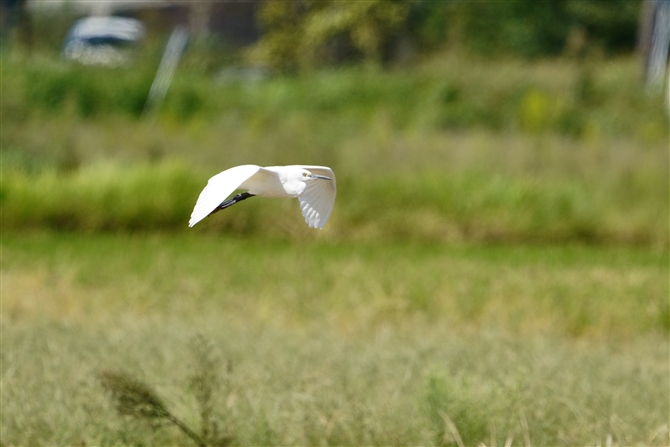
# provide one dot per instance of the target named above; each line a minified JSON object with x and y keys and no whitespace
{"x":303,"y":34}
{"x":311,"y":33}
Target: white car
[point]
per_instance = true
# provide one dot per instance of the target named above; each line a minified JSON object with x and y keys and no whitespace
{"x":103,"y":40}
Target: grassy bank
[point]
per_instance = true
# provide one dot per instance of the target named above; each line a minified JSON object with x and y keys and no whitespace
{"x":321,"y":343}
{"x":459,"y":187}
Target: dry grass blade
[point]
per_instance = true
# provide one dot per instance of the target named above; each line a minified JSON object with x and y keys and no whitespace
{"x":452,"y":428}
{"x":205,"y":382}
{"x":526,"y":431}
{"x":660,"y":431}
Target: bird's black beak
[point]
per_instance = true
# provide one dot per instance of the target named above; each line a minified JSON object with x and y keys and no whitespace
{"x":322,"y":177}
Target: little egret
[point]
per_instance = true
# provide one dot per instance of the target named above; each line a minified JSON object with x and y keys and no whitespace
{"x":314,"y":186}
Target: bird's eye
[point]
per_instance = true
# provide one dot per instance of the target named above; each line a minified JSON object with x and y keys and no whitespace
{"x":304,"y":174}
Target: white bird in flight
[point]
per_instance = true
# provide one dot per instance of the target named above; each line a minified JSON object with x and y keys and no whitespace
{"x":314,"y":186}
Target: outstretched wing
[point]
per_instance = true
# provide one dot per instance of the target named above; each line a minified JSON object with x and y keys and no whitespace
{"x":218,"y":188}
{"x":318,"y":199}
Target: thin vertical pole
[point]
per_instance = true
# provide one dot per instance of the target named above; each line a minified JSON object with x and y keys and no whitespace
{"x":173,"y":51}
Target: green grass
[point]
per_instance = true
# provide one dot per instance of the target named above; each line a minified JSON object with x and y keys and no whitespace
{"x":453,"y":149}
{"x":465,"y":189}
{"x":336,"y":343}
{"x":446,"y":91}
{"x":495,"y":270}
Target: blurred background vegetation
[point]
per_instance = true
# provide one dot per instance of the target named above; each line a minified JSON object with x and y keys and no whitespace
{"x":444,"y":121}
{"x":495,"y":271}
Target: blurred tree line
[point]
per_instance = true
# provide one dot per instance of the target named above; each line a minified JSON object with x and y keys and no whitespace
{"x":302,"y":34}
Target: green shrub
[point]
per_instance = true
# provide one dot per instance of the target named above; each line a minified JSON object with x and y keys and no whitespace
{"x":317,"y":33}
{"x":89,"y":91}
{"x":450,"y":92}
{"x":101,"y":197}
{"x":425,"y":206}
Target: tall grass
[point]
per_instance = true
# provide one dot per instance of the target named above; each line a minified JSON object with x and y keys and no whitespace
{"x":294,"y":386}
{"x":449,"y":91}
{"x":623,"y":201}
{"x":102,"y":197}
{"x":136,"y":399}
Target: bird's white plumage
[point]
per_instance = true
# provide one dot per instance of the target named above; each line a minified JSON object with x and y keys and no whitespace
{"x":318,"y":198}
{"x":316,"y":195}
{"x":218,"y":188}
{"x":316,"y":202}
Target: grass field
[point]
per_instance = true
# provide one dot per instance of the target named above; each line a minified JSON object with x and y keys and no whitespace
{"x":322,"y":343}
{"x":495,"y":271}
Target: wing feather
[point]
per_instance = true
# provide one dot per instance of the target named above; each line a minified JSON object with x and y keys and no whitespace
{"x":318,"y":199}
{"x":219,"y":188}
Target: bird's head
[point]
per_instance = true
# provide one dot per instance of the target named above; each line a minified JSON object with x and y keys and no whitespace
{"x":305,"y":176}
